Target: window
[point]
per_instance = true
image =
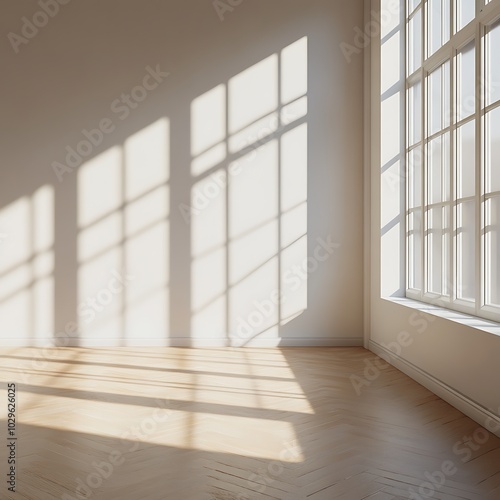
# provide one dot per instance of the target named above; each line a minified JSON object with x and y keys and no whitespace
{"x":453,"y":154}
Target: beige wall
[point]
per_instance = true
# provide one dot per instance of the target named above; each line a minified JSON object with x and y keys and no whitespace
{"x":65,"y":79}
{"x":454,"y":356}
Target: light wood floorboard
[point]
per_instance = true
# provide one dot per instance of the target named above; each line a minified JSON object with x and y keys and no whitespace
{"x":226,"y":424}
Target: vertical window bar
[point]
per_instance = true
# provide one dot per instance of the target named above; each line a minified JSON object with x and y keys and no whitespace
{"x":479,"y":187}
{"x":423,"y":216}
{"x":454,"y":205}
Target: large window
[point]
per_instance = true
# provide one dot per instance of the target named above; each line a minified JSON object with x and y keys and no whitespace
{"x":453,"y":154}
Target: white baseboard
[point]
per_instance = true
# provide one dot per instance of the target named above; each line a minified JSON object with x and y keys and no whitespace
{"x":190,"y":342}
{"x":322,"y":342}
{"x":475,"y":411}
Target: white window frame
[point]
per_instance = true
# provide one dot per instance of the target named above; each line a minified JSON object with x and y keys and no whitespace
{"x":487,"y":13}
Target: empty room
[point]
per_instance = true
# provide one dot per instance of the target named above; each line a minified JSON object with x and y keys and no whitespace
{"x":250,"y":250}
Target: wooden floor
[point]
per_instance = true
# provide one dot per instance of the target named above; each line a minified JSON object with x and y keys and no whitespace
{"x":181,"y":424}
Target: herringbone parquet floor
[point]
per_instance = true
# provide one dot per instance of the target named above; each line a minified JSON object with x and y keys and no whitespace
{"x":210,"y":424}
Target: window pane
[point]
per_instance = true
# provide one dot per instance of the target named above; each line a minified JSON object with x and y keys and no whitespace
{"x":439,"y":98}
{"x":493,"y":251}
{"x":439,"y":24}
{"x":415,"y":178}
{"x":466,"y":250}
{"x":466,"y":61}
{"x":438,"y":178}
{"x":465,"y":12}
{"x":493,"y":151}
{"x":415,"y":250}
{"x":415,"y":42}
{"x":466,"y":161}
{"x":412,"y":4}
{"x":438,"y":235}
{"x":492,"y":65}
{"x":415,"y":114}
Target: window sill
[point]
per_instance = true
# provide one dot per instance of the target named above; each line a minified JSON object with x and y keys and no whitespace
{"x":440,"y":312}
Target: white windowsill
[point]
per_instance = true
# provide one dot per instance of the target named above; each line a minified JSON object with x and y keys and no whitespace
{"x":457,"y":317}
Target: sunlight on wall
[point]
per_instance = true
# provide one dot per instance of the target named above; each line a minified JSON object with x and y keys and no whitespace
{"x":253,"y":93}
{"x":254,"y":230}
{"x":208,"y":226}
{"x":26,"y":267}
{"x":293,"y":220}
{"x":208,"y":120}
{"x":123,"y":243}
{"x":294,"y":71}
{"x":249,"y":195}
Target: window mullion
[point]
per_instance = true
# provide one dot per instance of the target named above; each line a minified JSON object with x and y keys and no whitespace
{"x":456,"y":203}
{"x":452,"y":214}
{"x":453,"y":167}
{"x":479,"y":179}
{"x":423,"y":198}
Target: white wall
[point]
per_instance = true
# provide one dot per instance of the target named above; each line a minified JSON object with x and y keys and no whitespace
{"x":65,"y":78}
{"x":456,"y":360}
